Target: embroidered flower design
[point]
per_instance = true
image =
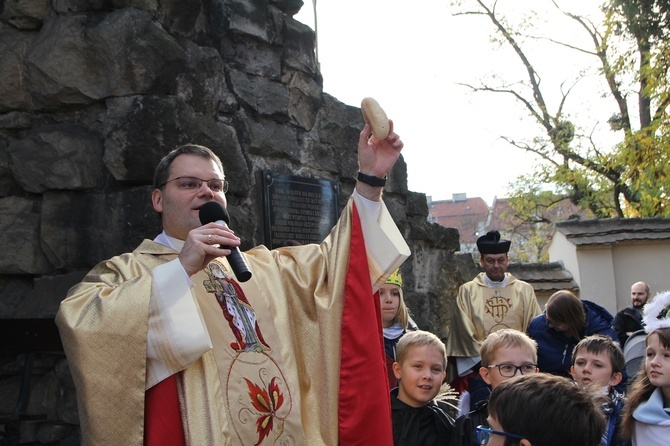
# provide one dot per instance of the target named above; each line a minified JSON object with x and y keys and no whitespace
{"x":266,"y":402}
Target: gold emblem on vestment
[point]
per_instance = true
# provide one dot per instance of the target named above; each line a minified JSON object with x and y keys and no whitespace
{"x":498,"y":306}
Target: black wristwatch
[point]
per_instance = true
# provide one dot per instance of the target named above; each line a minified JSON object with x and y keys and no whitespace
{"x":371,"y":180}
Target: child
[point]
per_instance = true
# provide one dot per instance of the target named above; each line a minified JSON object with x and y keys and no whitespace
{"x":597,"y":362}
{"x":505,"y":353}
{"x":419,"y":420}
{"x":544,"y":410}
{"x":395,"y":319}
{"x":646,"y":414}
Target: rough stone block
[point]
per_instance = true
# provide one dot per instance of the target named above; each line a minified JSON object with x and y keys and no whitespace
{"x":68,"y":157}
{"x":21,"y":251}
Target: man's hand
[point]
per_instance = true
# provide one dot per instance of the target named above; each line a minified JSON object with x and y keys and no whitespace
{"x":202,"y":246}
{"x":376,"y":157}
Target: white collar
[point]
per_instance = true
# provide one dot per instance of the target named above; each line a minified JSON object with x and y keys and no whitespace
{"x":170,"y":242}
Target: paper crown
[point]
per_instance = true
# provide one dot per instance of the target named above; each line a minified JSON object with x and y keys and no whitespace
{"x":491,"y":243}
{"x":395,"y":278}
{"x":656,"y":313}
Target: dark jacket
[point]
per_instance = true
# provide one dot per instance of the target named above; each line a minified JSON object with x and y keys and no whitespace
{"x":420,"y":426}
{"x":554,"y":349}
{"x":464,"y":430}
{"x":628,"y":320}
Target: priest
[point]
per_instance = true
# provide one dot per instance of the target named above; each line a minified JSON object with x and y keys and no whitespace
{"x":166,"y":346}
{"x":493,"y":300}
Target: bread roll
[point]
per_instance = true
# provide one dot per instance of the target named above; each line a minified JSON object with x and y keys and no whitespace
{"x":376,"y":117}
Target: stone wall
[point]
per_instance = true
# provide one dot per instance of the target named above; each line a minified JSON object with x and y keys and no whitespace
{"x":94,"y":92}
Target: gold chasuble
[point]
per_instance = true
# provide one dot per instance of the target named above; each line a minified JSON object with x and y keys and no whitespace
{"x":256,"y":363}
{"x":483,"y":310}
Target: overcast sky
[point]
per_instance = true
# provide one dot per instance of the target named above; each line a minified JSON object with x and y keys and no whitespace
{"x":411,"y":57}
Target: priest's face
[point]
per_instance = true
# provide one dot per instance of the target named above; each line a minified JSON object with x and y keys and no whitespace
{"x":494,"y":265}
{"x":179,"y":206}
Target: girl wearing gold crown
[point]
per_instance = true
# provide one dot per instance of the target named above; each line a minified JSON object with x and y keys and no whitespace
{"x":646,"y":416}
{"x":395,"y":319}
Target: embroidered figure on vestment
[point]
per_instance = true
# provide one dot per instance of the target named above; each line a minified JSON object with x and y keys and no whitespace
{"x":254,"y":375}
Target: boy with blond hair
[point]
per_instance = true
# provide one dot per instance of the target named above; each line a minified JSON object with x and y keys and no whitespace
{"x":597,"y":363}
{"x":418,"y":418}
{"x":505,"y":353}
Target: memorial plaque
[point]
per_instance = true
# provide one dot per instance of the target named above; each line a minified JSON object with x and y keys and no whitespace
{"x":298,"y":210}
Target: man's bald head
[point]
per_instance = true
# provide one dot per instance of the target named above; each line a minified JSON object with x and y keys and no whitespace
{"x":639,"y":294}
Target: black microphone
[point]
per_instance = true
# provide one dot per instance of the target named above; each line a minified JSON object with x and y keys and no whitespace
{"x":212,"y":211}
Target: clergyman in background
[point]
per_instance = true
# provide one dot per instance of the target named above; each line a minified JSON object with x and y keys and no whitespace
{"x":493,"y":300}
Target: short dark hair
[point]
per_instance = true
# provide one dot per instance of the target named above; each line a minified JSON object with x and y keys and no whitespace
{"x":548,"y":410}
{"x":163,"y":169}
{"x":598,"y":343}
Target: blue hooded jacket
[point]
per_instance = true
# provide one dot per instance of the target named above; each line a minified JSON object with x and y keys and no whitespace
{"x":554,"y":349}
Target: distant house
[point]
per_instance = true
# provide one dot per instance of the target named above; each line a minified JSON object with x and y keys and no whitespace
{"x":468,"y":215}
{"x":530,"y":240}
{"x":606,"y":256}
{"x":472,"y":217}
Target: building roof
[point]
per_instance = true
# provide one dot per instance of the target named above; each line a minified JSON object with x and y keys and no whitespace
{"x":501,"y":215}
{"x":464,"y":214}
{"x":504,"y":216}
{"x":544,"y":277}
{"x":608,"y":231}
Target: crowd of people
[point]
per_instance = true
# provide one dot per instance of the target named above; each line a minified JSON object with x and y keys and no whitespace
{"x":529,"y":406}
{"x":316,"y":346}
{"x":573,"y":341}
{"x":529,"y":377}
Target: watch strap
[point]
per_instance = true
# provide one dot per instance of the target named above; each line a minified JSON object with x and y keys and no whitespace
{"x":371,"y":180}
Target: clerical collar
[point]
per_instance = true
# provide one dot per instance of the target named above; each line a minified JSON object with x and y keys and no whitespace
{"x":491,"y":284}
{"x":170,"y":242}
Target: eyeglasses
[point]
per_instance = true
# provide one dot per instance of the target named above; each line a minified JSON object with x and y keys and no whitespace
{"x":509,"y":370}
{"x":194,"y":183}
{"x":484,"y":434}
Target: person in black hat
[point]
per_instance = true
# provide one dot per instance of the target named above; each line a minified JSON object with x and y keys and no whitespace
{"x":493,"y":300}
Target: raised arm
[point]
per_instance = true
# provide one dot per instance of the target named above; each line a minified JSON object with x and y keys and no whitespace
{"x":376,"y":157}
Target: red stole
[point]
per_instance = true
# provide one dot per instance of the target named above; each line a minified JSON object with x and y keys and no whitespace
{"x":364,"y":413}
{"x":162,"y":415}
{"x":364,"y":402}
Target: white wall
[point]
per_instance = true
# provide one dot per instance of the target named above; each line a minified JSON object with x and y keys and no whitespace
{"x":605,"y":273}
{"x":648,"y":262}
{"x":596,"y":272}
{"x":561,"y":250}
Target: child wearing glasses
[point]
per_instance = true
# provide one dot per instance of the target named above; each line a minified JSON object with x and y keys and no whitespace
{"x":646,"y":415}
{"x":540,"y":409}
{"x":418,"y":418}
{"x":597,"y":363}
{"x":505,"y":353}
